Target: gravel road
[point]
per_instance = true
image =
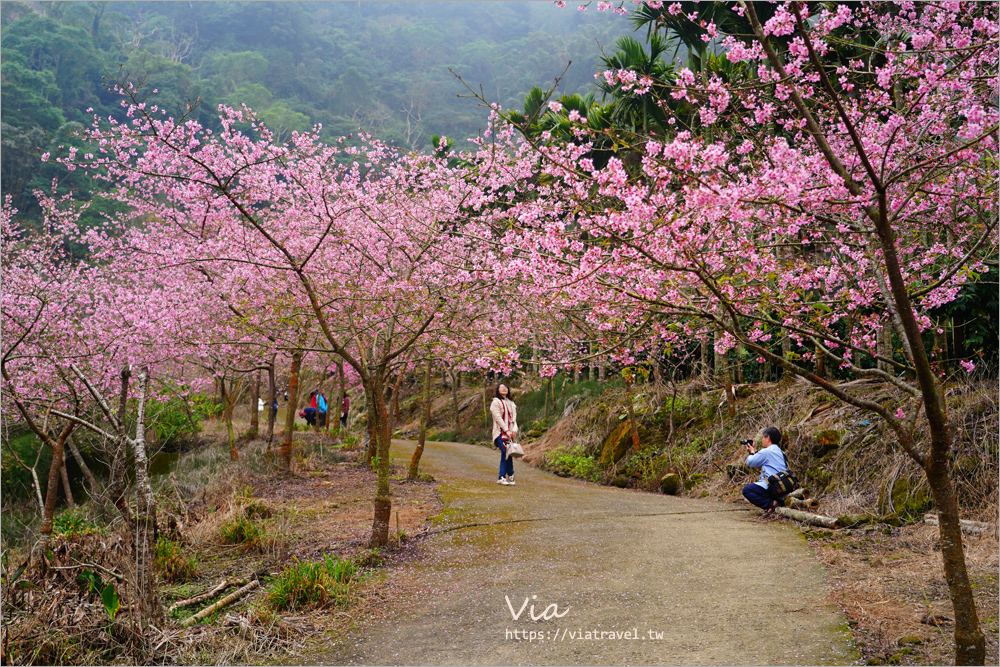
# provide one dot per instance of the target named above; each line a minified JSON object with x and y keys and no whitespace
{"x":624,"y":577}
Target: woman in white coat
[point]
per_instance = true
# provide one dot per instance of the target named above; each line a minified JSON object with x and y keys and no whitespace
{"x":504,"y":429}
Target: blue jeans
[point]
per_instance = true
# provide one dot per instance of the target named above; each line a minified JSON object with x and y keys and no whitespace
{"x":758,"y":495}
{"x":506,"y":463}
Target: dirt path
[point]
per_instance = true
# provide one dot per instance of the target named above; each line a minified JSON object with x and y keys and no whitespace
{"x":692,"y":582}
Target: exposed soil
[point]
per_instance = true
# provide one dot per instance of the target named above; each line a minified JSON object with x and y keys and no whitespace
{"x":887,"y":583}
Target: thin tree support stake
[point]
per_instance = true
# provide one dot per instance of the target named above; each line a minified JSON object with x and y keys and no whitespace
{"x":221,"y":604}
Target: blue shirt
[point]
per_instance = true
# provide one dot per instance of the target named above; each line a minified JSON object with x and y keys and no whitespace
{"x":770,"y":460}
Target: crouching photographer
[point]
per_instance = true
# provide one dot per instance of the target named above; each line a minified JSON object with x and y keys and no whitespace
{"x":775,"y":480}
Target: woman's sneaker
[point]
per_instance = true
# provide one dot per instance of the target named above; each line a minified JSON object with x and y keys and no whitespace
{"x":510,"y":480}
{"x":503,"y":480}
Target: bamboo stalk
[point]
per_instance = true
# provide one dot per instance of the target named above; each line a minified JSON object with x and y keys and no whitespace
{"x":807,"y":517}
{"x":180,"y":604}
{"x":221,"y":604}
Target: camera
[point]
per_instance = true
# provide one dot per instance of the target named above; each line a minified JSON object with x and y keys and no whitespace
{"x":746,"y":443}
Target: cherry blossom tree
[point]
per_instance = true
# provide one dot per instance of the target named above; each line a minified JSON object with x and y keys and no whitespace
{"x":845,"y":184}
{"x":365,"y":240}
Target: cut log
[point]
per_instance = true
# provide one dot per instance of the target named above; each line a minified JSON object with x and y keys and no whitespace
{"x":798,"y":504}
{"x":221,"y":604}
{"x":797,"y":493}
{"x":807,"y":517}
{"x":969,"y":527}
{"x":180,"y":604}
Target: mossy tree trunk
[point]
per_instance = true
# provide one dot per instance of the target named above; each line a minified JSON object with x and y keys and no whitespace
{"x":254,"y":404}
{"x":293,"y":402}
{"x":228,"y":398}
{"x":272,"y":391}
{"x":383,"y":499}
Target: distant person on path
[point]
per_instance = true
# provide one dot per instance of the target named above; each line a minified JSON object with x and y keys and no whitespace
{"x":771,"y":460}
{"x":316,"y":412}
{"x":320,"y":400}
{"x":504,"y":429}
{"x":344,"y":408}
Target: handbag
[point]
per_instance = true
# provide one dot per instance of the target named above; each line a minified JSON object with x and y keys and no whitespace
{"x":514,"y":450}
{"x":782,"y":482}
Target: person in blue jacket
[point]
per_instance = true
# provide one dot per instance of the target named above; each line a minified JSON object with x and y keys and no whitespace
{"x":321,"y":406}
{"x":771,"y":460}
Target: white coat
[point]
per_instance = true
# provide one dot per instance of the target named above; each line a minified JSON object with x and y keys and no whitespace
{"x":501,"y":425}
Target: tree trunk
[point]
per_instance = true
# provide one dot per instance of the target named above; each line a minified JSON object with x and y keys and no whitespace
{"x":721,"y":367}
{"x":706,"y":367}
{"x":548,"y":393}
{"x":273,"y":393}
{"x":254,"y":403}
{"x":631,"y":417}
{"x":52,"y":489}
{"x":383,"y":501}
{"x":454,"y":400}
{"x":394,"y":396}
{"x":941,"y":344}
{"x":92,"y":488}
{"x":293,"y":402}
{"x":227,"y":414}
{"x":883,"y":347}
{"x":117,"y":482}
{"x":343,"y":390}
{"x":150,"y":609}
{"x":786,"y":349}
{"x":67,"y":490}
{"x":486,"y":401}
{"x":371,"y":425}
{"x":425,"y":418}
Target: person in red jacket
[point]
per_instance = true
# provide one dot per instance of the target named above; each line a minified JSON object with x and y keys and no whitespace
{"x":344,"y":408}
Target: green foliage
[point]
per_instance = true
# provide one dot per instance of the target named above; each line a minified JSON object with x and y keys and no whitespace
{"x":171,"y":421}
{"x":73,"y":523}
{"x":91,"y":582}
{"x":378,"y":67}
{"x":573,"y":462}
{"x":531,"y":405}
{"x":245,"y":525}
{"x":171,"y":561}
{"x":307,"y":584}
{"x":15,"y":481}
{"x":242,"y":530}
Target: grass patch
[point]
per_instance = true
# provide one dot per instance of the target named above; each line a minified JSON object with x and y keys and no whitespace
{"x":308,"y":584}
{"x":242,"y":530}
{"x":171,"y":561}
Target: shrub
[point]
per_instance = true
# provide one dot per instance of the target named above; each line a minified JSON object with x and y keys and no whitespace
{"x":172,"y":422}
{"x":243,"y":530}
{"x":73,"y":523}
{"x":573,"y":462}
{"x":312,"y":584}
{"x":172,"y":562}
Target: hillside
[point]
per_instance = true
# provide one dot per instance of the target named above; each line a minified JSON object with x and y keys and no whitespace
{"x":379,"y":67}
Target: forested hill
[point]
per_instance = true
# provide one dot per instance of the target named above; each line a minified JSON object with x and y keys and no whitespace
{"x":377,"y":66}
